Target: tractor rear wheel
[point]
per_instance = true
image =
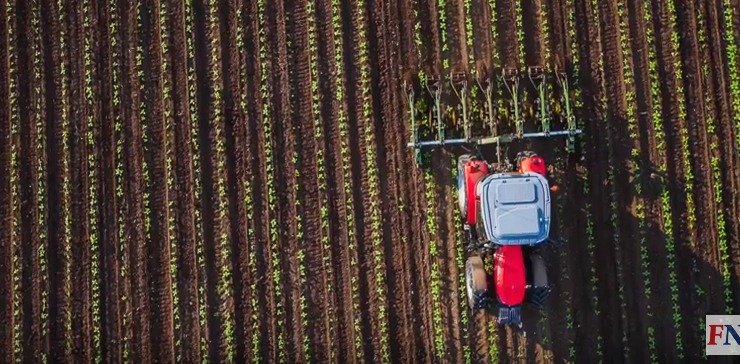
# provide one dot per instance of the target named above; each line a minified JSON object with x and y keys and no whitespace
{"x":462,"y":197}
{"x":540,"y":288}
{"x":476,"y":283}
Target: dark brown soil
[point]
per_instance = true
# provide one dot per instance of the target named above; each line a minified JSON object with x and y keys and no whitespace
{"x":303,"y":228}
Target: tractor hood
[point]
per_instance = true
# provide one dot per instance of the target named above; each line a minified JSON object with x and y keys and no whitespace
{"x":515,"y":208}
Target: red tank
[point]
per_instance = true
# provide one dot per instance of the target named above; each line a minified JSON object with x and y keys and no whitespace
{"x":533,"y":164}
{"x":474,"y":170}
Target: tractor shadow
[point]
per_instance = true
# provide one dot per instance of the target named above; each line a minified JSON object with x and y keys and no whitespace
{"x":581,"y":316}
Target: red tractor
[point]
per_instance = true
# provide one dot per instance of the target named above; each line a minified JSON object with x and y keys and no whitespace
{"x":505,"y":207}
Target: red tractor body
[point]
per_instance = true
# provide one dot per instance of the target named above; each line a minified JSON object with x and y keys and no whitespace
{"x":506,"y":213}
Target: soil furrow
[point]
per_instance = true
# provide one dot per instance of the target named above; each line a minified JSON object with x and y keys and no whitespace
{"x":257,"y":161}
{"x":457,"y":55}
{"x":729,"y":132}
{"x":404,"y":176}
{"x":717,"y":114}
{"x":418,"y":264}
{"x":407,"y":22}
{"x":674,"y":125}
{"x":160,"y":284}
{"x":450,"y":271}
{"x":559,"y":43}
{"x":705,"y":265}
{"x":726,"y":135}
{"x":445,"y":238}
{"x":607,"y":256}
{"x":134,"y":185}
{"x":235,"y":132}
{"x":482,"y":36}
{"x":7,"y":300}
{"x":28,"y":192}
{"x":430,"y":64}
{"x":431,"y":39}
{"x":80,"y":205}
{"x":571,"y":219}
{"x":59,"y":309}
{"x":359,"y":129}
{"x":507,"y":43}
{"x":533,"y":34}
{"x":590,"y":328}
{"x":120,"y":253}
{"x":284,"y":144}
{"x":456,"y":36}
{"x":188,"y":306}
{"x":309,"y":209}
{"x":651,"y":187}
{"x":209,"y":138}
{"x":631,"y":283}
{"x":387,"y":173}
{"x":330,"y":110}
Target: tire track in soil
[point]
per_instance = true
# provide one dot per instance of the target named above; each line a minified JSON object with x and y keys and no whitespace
{"x":352,"y":23}
{"x":650,"y":158}
{"x":283,"y":141}
{"x":257,"y":161}
{"x":28,"y":192}
{"x":134,"y":185}
{"x":384,"y":116}
{"x":58,"y":298}
{"x":188,"y":306}
{"x":630,"y":283}
{"x":160,"y":284}
{"x":728,"y":161}
{"x":209,"y":130}
{"x":330,"y":108}
{"x":418,"y":266}
{"x":676,"y":164}
{"x":235,"y":130}
{"x":591,"y":82}
{"x":699,"y":159}
{"x":7,"y":299}
{"x":309,"y":208}
{"x":79,"y":180}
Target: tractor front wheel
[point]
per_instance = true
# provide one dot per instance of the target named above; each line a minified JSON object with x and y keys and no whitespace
{"x":476,"y":283}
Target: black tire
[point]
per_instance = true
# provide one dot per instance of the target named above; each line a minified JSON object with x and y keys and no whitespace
{"x":476,"y":283}
{"x":540,"y":288}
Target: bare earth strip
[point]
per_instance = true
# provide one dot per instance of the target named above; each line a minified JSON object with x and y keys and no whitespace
{"x":7,"y":301}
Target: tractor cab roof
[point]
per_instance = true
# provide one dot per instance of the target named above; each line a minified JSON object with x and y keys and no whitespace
{"x":515,"y":208}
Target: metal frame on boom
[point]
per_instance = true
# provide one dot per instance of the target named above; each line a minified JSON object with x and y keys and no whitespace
{"x":510,"y":79}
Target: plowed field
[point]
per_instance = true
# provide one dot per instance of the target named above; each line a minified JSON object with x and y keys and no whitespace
{"x":215,"y":180}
